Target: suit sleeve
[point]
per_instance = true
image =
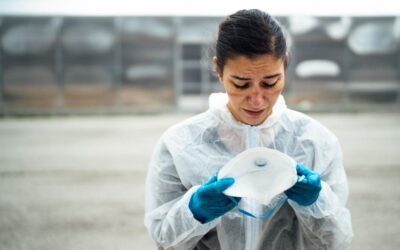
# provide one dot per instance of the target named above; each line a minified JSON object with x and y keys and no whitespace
{"x":167,"y":215}
{"x":326,"y":224}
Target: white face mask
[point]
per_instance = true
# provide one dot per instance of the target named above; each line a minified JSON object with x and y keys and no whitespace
{"x":260,"y":173}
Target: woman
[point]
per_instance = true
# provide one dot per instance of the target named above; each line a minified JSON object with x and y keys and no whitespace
{"x":185,"y":204}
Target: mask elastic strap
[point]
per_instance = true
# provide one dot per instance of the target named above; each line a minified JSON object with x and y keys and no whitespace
{"x":264,"y":216}
{"x":301,"y":178}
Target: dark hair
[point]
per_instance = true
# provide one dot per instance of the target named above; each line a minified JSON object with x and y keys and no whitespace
{"x":250,"y":33}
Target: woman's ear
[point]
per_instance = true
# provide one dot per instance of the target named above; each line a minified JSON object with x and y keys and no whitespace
{"x":217,"y":69}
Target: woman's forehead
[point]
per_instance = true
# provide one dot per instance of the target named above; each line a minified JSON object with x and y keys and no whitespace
{"x":266,"y":64}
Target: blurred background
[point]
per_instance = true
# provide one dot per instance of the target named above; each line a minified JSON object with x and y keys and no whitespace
{"x":87,"y":88}
{"x":85,"y":60}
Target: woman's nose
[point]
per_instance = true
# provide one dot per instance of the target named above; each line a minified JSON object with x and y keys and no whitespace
{"x":256,"y":98}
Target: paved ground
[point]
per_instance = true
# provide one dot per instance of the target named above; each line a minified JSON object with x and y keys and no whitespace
{"x":78,"y":182}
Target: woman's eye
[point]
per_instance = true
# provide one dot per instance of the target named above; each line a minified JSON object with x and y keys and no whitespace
{"x":269,"y":85}
{"x":241,"y":86}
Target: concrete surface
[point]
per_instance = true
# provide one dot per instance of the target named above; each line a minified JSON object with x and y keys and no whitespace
{"x":78,"y":182}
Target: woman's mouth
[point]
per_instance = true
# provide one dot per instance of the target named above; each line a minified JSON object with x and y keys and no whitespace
{"x":254,"y":113}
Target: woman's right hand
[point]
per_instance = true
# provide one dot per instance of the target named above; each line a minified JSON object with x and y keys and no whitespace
{"x":209,"y":202}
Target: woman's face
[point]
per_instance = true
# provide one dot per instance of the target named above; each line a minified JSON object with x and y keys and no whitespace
{"x":253,"y":86}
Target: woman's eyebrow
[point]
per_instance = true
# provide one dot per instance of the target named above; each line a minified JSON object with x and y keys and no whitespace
{"x":246,"y":78}
{"x":271,"y":76}
{"x":241,"y":78}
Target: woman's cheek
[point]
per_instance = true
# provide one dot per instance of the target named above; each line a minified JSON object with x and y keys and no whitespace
{"x":235,"y":94}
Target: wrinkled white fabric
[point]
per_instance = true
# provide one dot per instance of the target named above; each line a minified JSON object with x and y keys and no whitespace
{"x":260,"y":173}
{"x":189,"y":153}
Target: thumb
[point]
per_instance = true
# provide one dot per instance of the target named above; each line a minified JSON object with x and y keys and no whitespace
{"x":211,"y":180}
{"x":222,"y":184}
{"x":315,"y":180}
{"x":303,"y":171}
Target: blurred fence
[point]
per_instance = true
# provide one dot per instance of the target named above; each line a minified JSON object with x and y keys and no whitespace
{"x":73,"y":64}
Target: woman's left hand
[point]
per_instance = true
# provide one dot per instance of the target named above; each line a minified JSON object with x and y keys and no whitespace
{"x":306,"y":190}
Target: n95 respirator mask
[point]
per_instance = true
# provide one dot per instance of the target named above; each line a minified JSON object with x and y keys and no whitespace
{"x":260,"y":174}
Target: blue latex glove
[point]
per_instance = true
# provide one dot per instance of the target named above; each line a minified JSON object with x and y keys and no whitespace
{"x":306,"y":190}
{"x":208,"y":202}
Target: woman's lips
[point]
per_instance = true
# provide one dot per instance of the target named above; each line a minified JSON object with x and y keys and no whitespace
{"x":253,"y":113}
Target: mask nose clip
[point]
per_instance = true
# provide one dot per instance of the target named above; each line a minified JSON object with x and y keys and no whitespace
{"x":260,"y":162}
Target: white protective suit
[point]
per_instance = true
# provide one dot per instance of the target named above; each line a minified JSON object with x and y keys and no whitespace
{"x":189,"y":153}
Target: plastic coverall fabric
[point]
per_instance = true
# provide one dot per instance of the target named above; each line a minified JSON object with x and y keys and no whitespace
{"x":189,"y":153}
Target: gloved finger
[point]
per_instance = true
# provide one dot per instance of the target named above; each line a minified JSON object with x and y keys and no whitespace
{"x":314,"y":179}
{"x":303,"y":171}
{"x":211,"y":180}
{"x":222,"y":184}
{"x":218,"y":198}
{"x":230,"y":207}
{"x":237,"y":199}
{"x":294,"y":196}
{"x":294,"y":192}
{"x":311,"y":182}
{"x":301,"y":185}
{"x":298,"y":196}
{"x":306,"y":190}
{"x":217,"y":209}
{"x":220,"y":206}
{"x":214,"y":207}
{"x":306,"y":187}
{"x":234,"y":200}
